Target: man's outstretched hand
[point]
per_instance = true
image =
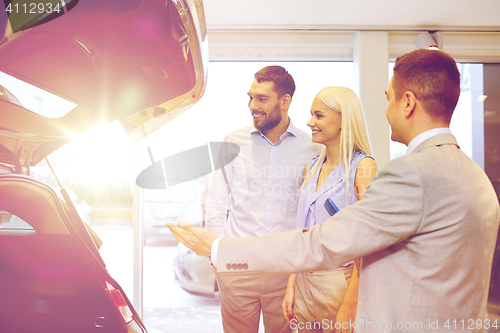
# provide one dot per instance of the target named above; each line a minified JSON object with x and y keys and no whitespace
{"x":197,"y":239}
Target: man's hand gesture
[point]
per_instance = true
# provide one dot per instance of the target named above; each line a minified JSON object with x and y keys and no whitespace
{"x":197,"y":239}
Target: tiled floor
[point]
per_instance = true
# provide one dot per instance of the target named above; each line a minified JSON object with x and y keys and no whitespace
{"x":185,"y":320}
{"x":203,"y":319}
{"x":207,"y":319}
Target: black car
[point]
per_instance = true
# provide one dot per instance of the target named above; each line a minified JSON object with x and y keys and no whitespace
{"x":142,"y":62}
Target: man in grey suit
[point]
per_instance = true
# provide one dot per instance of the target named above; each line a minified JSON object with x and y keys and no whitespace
{"x":426,"y":227}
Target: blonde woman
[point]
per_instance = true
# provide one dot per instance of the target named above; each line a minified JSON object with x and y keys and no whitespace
{"x":315,"y":301}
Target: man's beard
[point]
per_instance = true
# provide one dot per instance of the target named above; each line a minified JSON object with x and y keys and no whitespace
{"x":271,"y":120}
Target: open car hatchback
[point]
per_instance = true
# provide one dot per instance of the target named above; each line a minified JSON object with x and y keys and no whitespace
{"x":142,"y":62}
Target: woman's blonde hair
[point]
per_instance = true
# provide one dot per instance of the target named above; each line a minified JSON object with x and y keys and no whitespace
{"x":353,"y":133}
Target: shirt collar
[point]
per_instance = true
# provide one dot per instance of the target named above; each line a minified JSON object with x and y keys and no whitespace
{"x":424,"y":136}
{"x":291,"y":130}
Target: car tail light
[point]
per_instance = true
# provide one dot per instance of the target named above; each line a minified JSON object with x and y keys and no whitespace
{"x":120,"y":303}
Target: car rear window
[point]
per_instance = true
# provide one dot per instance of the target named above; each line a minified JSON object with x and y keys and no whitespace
{"x":13,"y":222}
{"x":35,"y":99}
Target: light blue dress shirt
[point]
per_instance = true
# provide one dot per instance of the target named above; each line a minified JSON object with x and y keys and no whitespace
{"x":262,"y":184}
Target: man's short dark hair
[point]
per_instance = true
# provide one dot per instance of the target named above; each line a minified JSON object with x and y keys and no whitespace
{"x":283,"y":81}
{"x":433,"y":77}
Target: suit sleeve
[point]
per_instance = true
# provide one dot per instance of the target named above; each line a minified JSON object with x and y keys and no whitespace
{"x":390,"y":212}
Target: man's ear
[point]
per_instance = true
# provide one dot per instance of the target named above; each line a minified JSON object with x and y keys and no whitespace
{"x":410,"y":101}
{"x":285,"y":101}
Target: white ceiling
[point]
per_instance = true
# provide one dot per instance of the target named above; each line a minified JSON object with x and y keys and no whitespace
{"x":451,"y":15}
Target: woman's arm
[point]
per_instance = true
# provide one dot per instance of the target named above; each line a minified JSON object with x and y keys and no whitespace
{"x":347,"y":311}
{"x":367,"y":168}
{"x":288,"y":300}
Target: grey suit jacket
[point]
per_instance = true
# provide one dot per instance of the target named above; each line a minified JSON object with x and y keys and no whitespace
{"x":426,"y":229}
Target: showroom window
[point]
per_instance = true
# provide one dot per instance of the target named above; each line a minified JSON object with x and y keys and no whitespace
{"x":223,"y":108}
